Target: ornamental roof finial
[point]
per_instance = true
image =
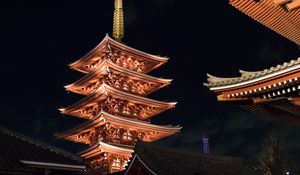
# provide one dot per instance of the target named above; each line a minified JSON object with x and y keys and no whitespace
{"x":118,"y":25}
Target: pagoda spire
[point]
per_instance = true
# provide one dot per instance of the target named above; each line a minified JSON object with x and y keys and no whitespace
{"x":118,"y":25}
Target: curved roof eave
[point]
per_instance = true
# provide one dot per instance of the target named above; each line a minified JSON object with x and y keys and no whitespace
{"x":109,"y":39}
{"x":108,"y":64}
{"x":104,"y":88}
{"x":112,"y":118}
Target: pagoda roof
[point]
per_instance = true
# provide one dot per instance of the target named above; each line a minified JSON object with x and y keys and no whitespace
{"x":103,"y":118}
{"x":107,"y":65}
{"x":155,"y":159}
{"x":105,"y":90}
{"x":249,"y":78}
{"x":101,"y":147}
{"x":18,"y":152}
{"x":281,"y":16}
{"x":158,"y":60}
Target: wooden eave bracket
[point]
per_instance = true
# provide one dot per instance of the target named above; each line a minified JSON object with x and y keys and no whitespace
{"x":293,"y":5}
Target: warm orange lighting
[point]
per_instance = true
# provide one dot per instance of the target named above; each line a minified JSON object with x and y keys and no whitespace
{"x":119,"y":78}
{"x":121,"y":55}
{"x":115,"y":104}
{"x":279,"y":15}
{"x":280,"y":2}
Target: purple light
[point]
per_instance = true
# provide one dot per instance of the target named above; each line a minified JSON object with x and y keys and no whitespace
{"x":205,"y":142}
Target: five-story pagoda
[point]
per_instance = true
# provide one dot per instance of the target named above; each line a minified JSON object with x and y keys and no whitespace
{"x":115,"y":106}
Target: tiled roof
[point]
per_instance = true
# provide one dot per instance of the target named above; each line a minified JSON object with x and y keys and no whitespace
{"x":214,"y":81}
{"x":15,"y":147}
{"x":163,"y":161}
{"x":273,"y":15}
{"x":11,"y":165}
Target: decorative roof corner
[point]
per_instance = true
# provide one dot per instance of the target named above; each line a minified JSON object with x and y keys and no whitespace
{"x":206,"y":84}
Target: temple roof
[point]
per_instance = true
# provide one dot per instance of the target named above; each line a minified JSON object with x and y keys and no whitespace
{"x":108,"y":66}
{"x":127,"y":123}
{"x":157,"y":60}
{"x":161,"y":160}
{"x":281,"y":109}
{"x":16,"y":166}
{"x":104,"y":91}
{"x":16,"y":148}
{"x":246,"y":78}
{"x":101,"y":147}
{"x":281,"y":16}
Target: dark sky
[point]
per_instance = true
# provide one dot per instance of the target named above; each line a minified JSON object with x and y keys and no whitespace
{"x":39,"y":39}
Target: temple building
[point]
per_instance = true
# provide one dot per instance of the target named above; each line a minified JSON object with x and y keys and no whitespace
{"x":282,"y":16}
{"x":273,"y":92}
{"x":115,"y":106}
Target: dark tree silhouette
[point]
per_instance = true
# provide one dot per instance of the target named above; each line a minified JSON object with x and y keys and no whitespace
{"x":272,"y":159}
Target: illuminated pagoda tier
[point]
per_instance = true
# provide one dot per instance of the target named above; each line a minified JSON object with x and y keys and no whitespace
{"x":272,"y":92}
{"x":282,"y":16}
{"x":115,"y":106}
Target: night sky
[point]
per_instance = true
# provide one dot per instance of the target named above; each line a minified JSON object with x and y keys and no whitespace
{"x":39,"y":39}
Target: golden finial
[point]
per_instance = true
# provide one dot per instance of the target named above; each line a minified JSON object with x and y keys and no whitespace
{"x":118,"y":26}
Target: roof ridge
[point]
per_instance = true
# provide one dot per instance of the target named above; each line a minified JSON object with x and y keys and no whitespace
{"x":161,"y":159}
{"x":40,"y":144}
{"x":247,"y":76}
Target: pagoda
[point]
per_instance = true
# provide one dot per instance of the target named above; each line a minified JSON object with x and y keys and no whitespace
{"x":115,"y":106}
{"x":273,"y":92}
